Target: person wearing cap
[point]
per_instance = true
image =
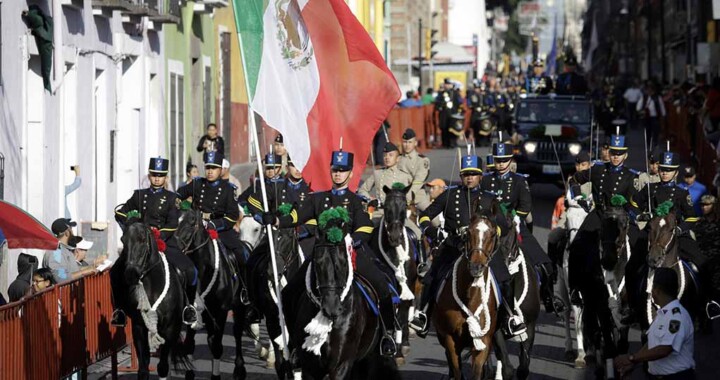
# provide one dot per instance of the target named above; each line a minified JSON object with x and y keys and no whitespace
{"x":480,"y":103}
{"x":280,"y":150}
{"x":607,"y":179}
{"x":211,"y":141}
{"x":156,"y":207}
{"x":455,"y":205}
{"x":653,"y":174}
{"x":373,"y":186}
{"x":538,"y":82}
{"x":570,"y":82}
{"x":447,"y":104}
{"x":341,"y":166}
{"x":669,"y":352}
{"x":298,"y":194}
{"x":489,"y":165}
{"x":417,"y":165}
{"x":655,"y":194}
{"x":513,"y":190}
{"x":229,"y":178}
{"x":80,"y":248}
{"x":696,"y":189}
{"x":62,"y":260}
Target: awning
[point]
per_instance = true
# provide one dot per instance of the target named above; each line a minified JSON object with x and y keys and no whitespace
{"x":23,"y":231}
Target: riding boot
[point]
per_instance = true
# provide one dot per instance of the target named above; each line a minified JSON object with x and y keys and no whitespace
{"x":388,"y":347}
{"x":118,"y":319}
{"x":513,"y":326}
{"x":252,"y":314}
{"x":552,"y":304}
{"x":421,"y":319}
{"x":190,"y":314}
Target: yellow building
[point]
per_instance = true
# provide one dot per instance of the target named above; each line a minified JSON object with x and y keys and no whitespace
{"x":371,"y":14}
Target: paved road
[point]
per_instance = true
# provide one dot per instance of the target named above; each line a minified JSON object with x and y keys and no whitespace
{"x":427,"y":359}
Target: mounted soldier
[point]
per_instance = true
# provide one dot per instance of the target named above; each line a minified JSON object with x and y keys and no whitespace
{"x":417,"y":165}
{"x":372,"y":187}
{"x":157,"y":208}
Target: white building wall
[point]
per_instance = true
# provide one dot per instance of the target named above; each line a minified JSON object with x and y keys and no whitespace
{"x":42,"y":134}
{"x":465,"y":18}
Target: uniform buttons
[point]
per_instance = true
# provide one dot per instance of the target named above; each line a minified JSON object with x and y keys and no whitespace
{"x":325,"y":205}
{"x":457,"y":209}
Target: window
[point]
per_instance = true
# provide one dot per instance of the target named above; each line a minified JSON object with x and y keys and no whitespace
{"x":177,"y":127}
{"x":207,"y":96}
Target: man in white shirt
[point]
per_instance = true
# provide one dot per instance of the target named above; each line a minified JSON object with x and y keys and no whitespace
{"x":632,"y":96}
{"x":652,"y":110}
{"x":670,"y":341}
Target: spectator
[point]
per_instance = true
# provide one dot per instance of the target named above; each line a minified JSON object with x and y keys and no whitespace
{"x":429,"y":96}
{"x":652,"y":110}
{"x":191,"y":171}
{"x":226,"y":176}
{"x":42,"y":279}
{"x":27,"y":264}
{"x":712,"y":104}
{"x":434,"y":189}
{"x":632,"y":96}
{"x":695,"y":188}
{"x":62,"y":260}
{"x":81,"y":247}
{"x":72,"y":187}
{"x":211,"y":142}
{"x":670,"y":346}
{"x":410,"y":100}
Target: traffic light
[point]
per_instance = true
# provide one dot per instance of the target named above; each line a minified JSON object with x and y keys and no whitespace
{"x":430,"y":42}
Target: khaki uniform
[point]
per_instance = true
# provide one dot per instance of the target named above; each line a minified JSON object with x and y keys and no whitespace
{"x":418,"y":166}
{"x":646,"y":178}
{"x":373,"y":186}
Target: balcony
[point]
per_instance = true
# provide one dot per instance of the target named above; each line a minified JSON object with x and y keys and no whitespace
{"x":207,"y":6}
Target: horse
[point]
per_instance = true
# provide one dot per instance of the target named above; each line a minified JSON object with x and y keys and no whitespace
{"x":156,"y":301}
{"x":218,"y":290}
{"x":575,"y":215}
{"x":335,"y":333}
{"x":288,"y":261}
{"x":396,"y":252}
{"x":525,"y":285}
{"x":466,"y":312}
{"x":605,"y":281}
{"x":663,"y":238}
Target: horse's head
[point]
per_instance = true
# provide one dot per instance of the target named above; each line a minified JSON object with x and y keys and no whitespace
{"x":661,"y":238}
{"x":251,"y":231}
{"x":482,"y":237}
{"x":331,"y":266}
{"x":614,"y":224}
{"x":138,"y":245}
{"x":189,"y":229}
{"x":395,"y":213}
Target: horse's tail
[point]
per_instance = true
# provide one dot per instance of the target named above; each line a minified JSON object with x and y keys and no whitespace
{"x":180,"y":359}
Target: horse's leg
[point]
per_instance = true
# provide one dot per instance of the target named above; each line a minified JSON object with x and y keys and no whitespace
{"x":452,"y":357}
{"x":215,"y":334}
{"x":239,"y":373}
{"x":478,"y":363}
{"x":163,"y":368}
{"x":503,"y":357}
{"x":142,"y":349}
{"x":402,"y":316}
{"x":579,"y":336}
{"x":342,"y":371}
{"x":523,"y":370}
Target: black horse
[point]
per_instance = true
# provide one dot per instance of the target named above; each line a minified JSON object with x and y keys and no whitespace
{"x":219,"y":289}
{"x":396,"y":252}
{"x":334,"y":332}
{"x":261,"y":274}
{"x":524,"y":282}
{"x":155,"y":298}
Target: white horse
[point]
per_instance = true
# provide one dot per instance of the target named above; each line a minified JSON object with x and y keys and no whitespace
{"x":251,"y":233}
{"x":575,"y":215}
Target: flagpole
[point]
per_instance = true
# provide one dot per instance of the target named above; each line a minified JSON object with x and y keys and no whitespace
{"x":261,"y":173}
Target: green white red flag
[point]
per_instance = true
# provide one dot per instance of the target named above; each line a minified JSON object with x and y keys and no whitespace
{"x":315,"y":75}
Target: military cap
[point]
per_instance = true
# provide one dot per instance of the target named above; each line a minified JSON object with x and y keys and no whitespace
{"x":341,"y":160}
{"x":617,"y":142}
{"x":489,"y":161}
{"x":390,"y":147}
{"x":582,"y":157}
{"x":689,"y":171}
{"x":408,"y":134}
{"x":279,"y":138}
{"x":570,"y":60}
{"x":159,"y":165}
{"x":502,"y":150}
{"x":213,"y":159}
{"x":447,"y":81}
{"x":471,"y":164}
{"x":538,"y":62}
{"x":670,"y":160}
{"x":272,"y":160}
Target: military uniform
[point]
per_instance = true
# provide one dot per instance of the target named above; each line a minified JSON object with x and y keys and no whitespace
{"x":373,"y":186}
{"x":418,"y":166}
{"x":447,"y":103}
{"x":570,"y":82}
{"x":216,"y":201}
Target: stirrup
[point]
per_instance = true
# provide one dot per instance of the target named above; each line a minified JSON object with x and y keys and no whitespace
{"x":118,"y":318}
{"x":388,"y":347}
{"x":192,"y":318}
{"x":576,"y":298}
{"x":244,"y":298}
{"x":516,"y":329}
{"x":559,"y":305}
{"x":712,"y":309}
{"x":422,"y":269}
{"x":419,"y":322}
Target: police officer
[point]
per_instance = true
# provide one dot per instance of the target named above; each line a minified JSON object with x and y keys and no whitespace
{"x":479,"y":102}
{"x":372,"y":188}
{"x":512,"y":189}
{"x":156,"y":207}
{"x":417,"y":165}
{"x":538,"y":82}
{"x":570,"y":82}
{"x":447,"y":104}
{"x":341,"y":196}
{"x":670,"y":338}
{"x":655,"y":194}
{"x":607,"y":179}
{"x":216,"y":200}
{"x":455,"y":204}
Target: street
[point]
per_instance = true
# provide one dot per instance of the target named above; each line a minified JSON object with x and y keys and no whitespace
{"x":427,"y":358}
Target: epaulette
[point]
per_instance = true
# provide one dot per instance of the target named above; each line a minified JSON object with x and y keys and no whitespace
{"x":234,"y":186}
{"x":523,"y":175}
{"x":598,"y":162}
{"x":422,"y":155}
{"x":452,"y":187}
{"x":633,"y":171}
{"x":486,"y":174}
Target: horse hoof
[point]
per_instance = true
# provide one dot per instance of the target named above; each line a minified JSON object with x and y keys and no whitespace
{"x":190,"y":375}
{"x":270,"y":364}
{"x":240,"y":373}
{"x":570,"y":355}
{"x":580,"y":363}
{"x":405,"y":350}
{"x":400,"y":361}
{"x":262,"y":353}
{"x":214,"y":377}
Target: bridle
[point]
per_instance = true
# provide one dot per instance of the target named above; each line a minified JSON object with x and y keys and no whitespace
{"x":621,"y":246}
{"x":147,"y":252}
{"x":468,"y":251}
{"x":665,"y":246}
{"x":334,"y":288}
{"x":187,"y":243}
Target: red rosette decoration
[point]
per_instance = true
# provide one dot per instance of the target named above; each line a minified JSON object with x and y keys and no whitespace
{"x":353,"y":257}
{"x":158,"y":240}
{"x":161,"y":245}
{"x":213,"y":234}
{"x":155,"y":232}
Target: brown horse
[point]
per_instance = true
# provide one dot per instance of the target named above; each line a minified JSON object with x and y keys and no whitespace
{"x":466,"y":311}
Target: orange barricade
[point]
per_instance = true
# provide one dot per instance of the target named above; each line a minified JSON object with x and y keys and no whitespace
{"x":420,"y":119}
{"x":60,"y":331}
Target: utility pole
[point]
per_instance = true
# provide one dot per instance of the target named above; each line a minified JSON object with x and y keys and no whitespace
{"x":662,"y":40}
{"x":420,"y":53}
{"x":648,"y":9}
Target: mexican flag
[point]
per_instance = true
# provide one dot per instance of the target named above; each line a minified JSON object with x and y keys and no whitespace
{"x":315,"y":75}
